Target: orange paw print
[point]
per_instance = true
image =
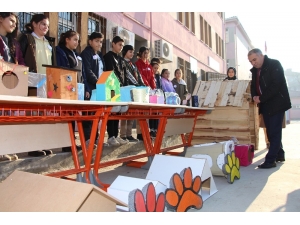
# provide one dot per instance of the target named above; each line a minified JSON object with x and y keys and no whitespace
{"x":146,"y":200}
{"x":183,"y":192}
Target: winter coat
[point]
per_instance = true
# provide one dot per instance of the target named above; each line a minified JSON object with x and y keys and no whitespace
{"x":114,"y":62}
{"x":91,"y":67}
{"x":18,"y":57}
{"x":62,"y":60}
{"x":180,"y":88}
{"x":28,"y":47}
{"x":147,"y":73}
{"x":132,"y":74}
{"x":275,"y":97}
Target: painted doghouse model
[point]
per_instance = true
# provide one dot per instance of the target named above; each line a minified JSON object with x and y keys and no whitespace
{"x":61,"y":82}
{"x":108,"y":87}
{"x":14,"y":79}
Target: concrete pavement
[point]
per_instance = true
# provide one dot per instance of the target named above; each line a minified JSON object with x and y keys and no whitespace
{"x":258,"y":190}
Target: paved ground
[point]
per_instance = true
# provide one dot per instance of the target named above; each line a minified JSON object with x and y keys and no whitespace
{"x":258,"y":190}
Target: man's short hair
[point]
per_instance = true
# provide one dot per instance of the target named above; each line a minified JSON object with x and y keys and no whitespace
{"x":95,"y":35}
{"x":117,"y":39}
{"x":254,"y":51}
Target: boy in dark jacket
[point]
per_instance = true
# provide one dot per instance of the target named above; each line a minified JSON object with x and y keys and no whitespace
{"x":93,"y":65}
{"x":114,"y":62}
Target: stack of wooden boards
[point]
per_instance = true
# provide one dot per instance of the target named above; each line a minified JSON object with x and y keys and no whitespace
{"x":234,"y":113}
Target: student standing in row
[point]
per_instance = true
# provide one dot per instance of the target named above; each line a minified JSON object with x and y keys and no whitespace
{"x":93,"y":66}
{"x":180,"y":87}
{"x":38,"y":49}
{"x":9,"y":49}
{"x":113,"y":62}
{"x":133,"y":77}
{"x":147,"y":73}
{"x":66,"y":56}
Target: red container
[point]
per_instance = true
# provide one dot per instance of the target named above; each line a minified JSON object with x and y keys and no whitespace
{"x":245,"y":153}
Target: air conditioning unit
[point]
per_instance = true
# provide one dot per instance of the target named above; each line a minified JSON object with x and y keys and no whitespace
{"x":163,"y":50}
{"x":126,"y":35}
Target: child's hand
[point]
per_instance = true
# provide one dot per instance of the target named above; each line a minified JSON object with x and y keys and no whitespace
{"x":87,"y":94}
{"x":188,"y":96}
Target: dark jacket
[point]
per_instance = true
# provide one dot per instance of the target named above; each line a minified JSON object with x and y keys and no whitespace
{"x":91,"y":67}
{"x":18,"y":57}
{"x":180,"y":88}
{"x":275,"y":97}
{"x":158,"y":81}
{"x":62,"y":55}
{"x":28,"y":47}
{"x":114,"y":62}
{"x":132,"y":74}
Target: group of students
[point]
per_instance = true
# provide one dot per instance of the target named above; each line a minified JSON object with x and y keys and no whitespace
{"x":33,"y":48}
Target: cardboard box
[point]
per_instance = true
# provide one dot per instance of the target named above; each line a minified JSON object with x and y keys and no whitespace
{"x":61,"y":82}
{"x":14,"y":79}
{"x":122,"y":186}
{"x":28,"y":192}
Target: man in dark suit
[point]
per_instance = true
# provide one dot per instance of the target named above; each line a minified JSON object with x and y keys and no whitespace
{"x":269,"y":90}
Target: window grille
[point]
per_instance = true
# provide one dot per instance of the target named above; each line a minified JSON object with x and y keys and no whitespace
{"x":66,"y":21}
{"x":24,"y":18}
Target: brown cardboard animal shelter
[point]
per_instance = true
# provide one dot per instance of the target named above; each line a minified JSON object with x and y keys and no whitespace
{"x":28,"y":192}
{"x":61,"y":82}
{"x":14,"y":79}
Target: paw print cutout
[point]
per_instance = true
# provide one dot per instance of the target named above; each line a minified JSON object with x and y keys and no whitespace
{"x":145,"y":200}
{"x":231,"y":168}
{"x":183,"y":192}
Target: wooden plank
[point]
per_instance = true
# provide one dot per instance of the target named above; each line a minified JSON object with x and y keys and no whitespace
{"x":209,"y":93}
{"x":204,"y":87}
{"x":222,"y":124}
{"x":232,"y":93}
{"x":225,"y":96}
{"x":227,"y":115}
{"x":239,"y":96}
{"x":215,"y":94}
{"x":221,"y":93}
{"x":221,"y":133}
{"x":196,"y":89}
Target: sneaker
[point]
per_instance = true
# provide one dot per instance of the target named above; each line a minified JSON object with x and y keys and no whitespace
{"x":87,"y":143}
{"x":152,"y":134}
{"x":113,"y":141}
{"x":8,"y":157}
{"x":122,"y":141}
{"x":36,"y":153}
{"x":132,"y":139}
{"x":140,"y":137}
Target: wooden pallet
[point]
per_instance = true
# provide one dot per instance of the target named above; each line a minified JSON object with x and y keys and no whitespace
{"x":234,"y":113}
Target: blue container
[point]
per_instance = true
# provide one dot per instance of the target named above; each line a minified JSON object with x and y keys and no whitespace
{"x":125,"y":92}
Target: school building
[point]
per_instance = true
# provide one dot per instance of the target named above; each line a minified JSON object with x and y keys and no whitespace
{"x":192,"y":41}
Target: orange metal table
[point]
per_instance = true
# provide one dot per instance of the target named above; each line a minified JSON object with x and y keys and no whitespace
{"x":40,"y":110}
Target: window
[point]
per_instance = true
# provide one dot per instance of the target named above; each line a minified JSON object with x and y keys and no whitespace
{"x":24,"y":18}
{"x":188,"y":76}
{"x":202,"y":33}
{"x":217,"y":43}
{"x":227,"y":35}
{"x":209,"y":36}
{"x":193,"y":21}
{"x":188,"y":20}
{"x":97,"y":23}
{"x":66,"y":21}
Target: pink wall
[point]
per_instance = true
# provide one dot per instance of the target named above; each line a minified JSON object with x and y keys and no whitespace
{"x":164,"y":26}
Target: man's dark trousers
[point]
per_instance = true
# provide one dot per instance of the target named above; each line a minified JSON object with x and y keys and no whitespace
{"x":274,"y":132}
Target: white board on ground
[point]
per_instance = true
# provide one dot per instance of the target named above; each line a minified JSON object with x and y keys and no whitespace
{"x":163,"y":167}
{"x":122,"y":186}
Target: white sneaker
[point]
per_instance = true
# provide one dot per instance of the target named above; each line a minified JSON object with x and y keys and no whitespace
{"x":113,"y":141}
{"x":87,"y":143}
{"x":122,"y":141}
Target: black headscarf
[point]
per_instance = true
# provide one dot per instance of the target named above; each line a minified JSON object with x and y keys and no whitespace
{"x":231,"y":78}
